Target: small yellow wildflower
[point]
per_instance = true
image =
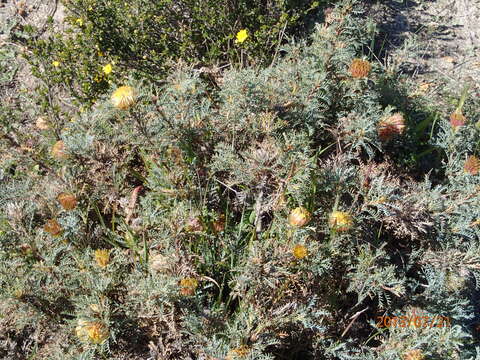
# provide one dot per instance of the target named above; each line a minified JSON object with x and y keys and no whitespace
{"x":79,"y":21}
{"x":300,"y":251}
{"x":107,"y":69}
{"x":242,"y":35}
{"x":340,"y":221}
{"x":102,"y":257}
{"x":56,"y":63}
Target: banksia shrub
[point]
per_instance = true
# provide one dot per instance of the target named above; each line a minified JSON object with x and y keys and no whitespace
{"x":200,"y":183}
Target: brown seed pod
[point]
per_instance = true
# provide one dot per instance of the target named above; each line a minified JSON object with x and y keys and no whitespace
{"x":68,"y":201}
{"x":359,"y":68}
{"x":391,"y":126}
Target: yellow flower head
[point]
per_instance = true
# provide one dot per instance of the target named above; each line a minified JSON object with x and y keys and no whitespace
{"x":56,"y":63}
{"x":123,"y":98}
{"x":300,"y":251}
{"x":107,"y":69}
{"x":92,"y":331}
{"x":240,"y":352}
{"x":79,"y":21}
{"x":340,"y":221}
{"x":242,"y":35}
{"x":188,"y":286}
{"x":299,"y":217}
{"x":102,"y":257}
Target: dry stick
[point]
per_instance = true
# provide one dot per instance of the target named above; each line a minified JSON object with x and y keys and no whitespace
{"x":353,"y":317}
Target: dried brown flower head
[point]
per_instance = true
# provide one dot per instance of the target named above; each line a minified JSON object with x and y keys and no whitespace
{"x":53,"y":227}
{"x":68,"y":201}
{"x":472,"y":165}
{"x":58,"y":150}
{"x":413,"y":355}
{"x":359,"y":68}
{"x":391,"y":126}
{"x":194,"y":224}
{"x":159,"y":263}
{"x":219,"y":224}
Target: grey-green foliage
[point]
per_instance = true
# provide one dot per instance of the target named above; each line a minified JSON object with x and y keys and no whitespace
{"x":220,"y":171}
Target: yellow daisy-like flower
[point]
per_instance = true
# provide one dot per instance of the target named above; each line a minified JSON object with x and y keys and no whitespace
{"x":242,"y":35}
{"x":300,"y":251}
{"x":124,"y":97}
{"x":107,"y":69}
{"x":56,"y":63}
{"x":102,"y":257}
{"x":79,"y":21}
{"x":340,"y":221}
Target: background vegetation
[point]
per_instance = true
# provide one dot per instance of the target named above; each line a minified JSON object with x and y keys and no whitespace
{"x":271,"y":209}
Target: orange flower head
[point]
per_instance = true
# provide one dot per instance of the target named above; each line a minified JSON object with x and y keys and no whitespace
{"x":68,"y":201}
{"x":359,"y":68}
{"x":472,"y":165}
{"x":102,"y":257}
{"x":457,"y":119}
{"x":53,"y":227}
{"x":91,"y":331}
{"x":188,"y":286}
{"x":413,"y":355}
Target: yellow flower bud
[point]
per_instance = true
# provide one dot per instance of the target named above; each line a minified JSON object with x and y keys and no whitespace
{"x":102,"y":257}
{"x":299,"y":251}
{"x":299,"y":217}
{"x":123,"y":98}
